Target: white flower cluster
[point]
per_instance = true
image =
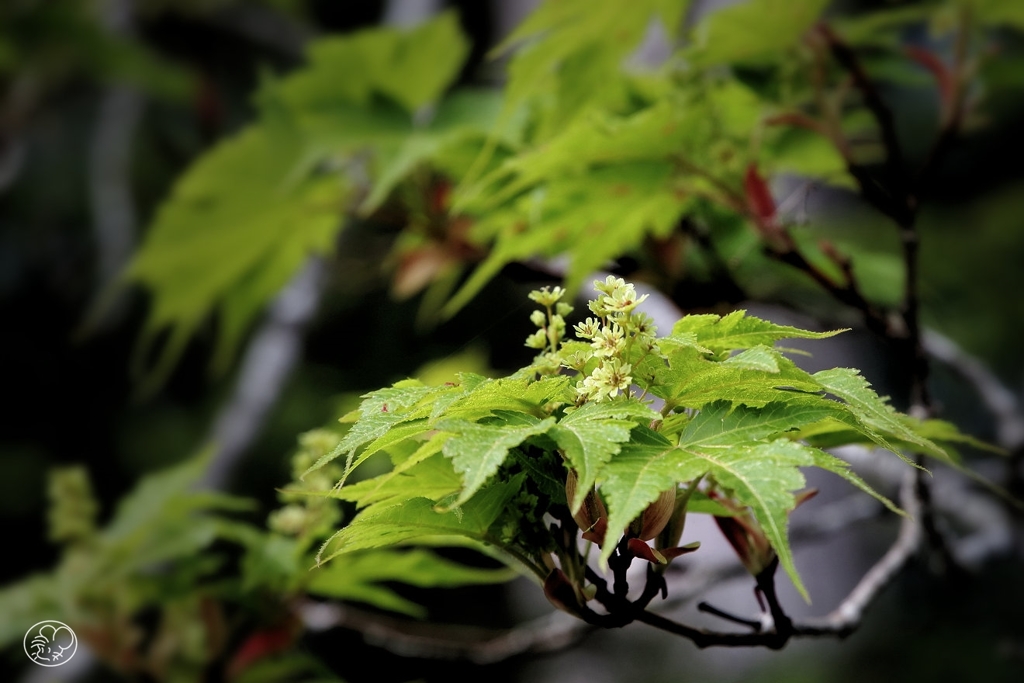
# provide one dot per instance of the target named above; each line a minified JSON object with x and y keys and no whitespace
{"x":614,"y":336}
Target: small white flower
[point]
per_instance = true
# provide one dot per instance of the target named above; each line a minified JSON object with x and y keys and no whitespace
{"x":610,"y":341}
{"x":588,"y":328}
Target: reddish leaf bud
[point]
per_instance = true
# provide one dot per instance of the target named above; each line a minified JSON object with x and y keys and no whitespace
{"x":657,"y":515}
{"x":759,"y":196}
{"x":749,"y":542}
{"x":597,"y":532}
{"x":672,"y":553}
{"x":942,"y":74}
{"x":645,"y":552}
{"x":561,"y":594}
{"x":592,"y":515}
{"x":804,"y":496}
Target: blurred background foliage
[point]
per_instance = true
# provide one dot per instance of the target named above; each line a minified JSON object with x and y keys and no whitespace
{"x":104,"y":105}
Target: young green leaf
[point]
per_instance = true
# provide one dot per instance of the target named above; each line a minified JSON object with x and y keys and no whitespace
{"x":236,"y":227}
{"x":871,"y":409}
{"x":753,"y":31}
{"x":380,"y":526}
{"x":591,"y":435}
{"x":433,"y":478}
{"x":360,"y":577}
{"x":385,"y":61}
{"x":574,"y":52}
{"x":378,"y":413}
{"x":477,"y":450}
{"x":737,"y":330}
{"x":693,"y":381}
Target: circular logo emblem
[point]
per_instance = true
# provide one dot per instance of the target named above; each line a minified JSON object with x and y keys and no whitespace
{"x":50,"y":643}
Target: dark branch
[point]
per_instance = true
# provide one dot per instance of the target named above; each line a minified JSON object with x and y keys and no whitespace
{"x":888,"y":195}
{"x":552,"y":632}
{"x":722,"y":614}
{"x":842,"y":621}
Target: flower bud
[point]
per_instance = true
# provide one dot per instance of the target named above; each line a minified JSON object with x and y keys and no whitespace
{"x":537,"y":340}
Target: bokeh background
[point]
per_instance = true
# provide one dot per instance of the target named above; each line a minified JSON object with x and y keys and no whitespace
{"x":103,"y":103}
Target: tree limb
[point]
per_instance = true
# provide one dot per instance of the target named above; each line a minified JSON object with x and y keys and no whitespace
{"x":271,"y":355}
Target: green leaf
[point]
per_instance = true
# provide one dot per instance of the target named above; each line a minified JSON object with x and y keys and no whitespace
{"x":827,"y":461}
{"x":397,"y":433}
{"x":998,"y":12}
{"x":465,"y":115}
{"x":591,"y":435}
{"x":947,"y":434}
{"x":873,"y":410}
{"x":477,"y":450}
{"x":651,"y":134}
{"x":700,"y":503}
{"x":380,"y":526}
{"x":25,"y":603}
{"x":358,"y":577}
{"x":545,"y":470}
{"x":378,"y":413}
{"x":719,"y":424}
{"x":487,"y":396}
{"x":763,"y":476}
{"x":881,"y":27}
{"x":753,"y":31}
{"x":246,"y":216}
{"x":425,"y":62}
{"x":737,"y":330}
{"x":148,"y":501}
{"x":693,"y":381}
{"x":271,"y":561}
{"x":634,"y":479}
{"x":610,"y":210}
{"x":759,"y":475}
{"x":575,"y":52}
{"x":806,"y":153}
{"x":433,"y":478}
{"x":759,"y":357}
{"x":411,"y":67}
{"x":236,"y":227}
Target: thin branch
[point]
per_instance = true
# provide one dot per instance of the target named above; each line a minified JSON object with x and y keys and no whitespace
{"x":722,"y":614}
{"x":897,"y":198}
{"x":552,"y":632}
{"x":766,"y":586}
{"x":889,"y":198}
{"x":847,"y":292}
{"x":269,"y":359}
{"x":558,"y":630}
{"x":845,"y":618}
{"x":113,"y":207}
{"x":955,"y":110}
{"x":111,"y":200}
{"x":998,"y":400}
